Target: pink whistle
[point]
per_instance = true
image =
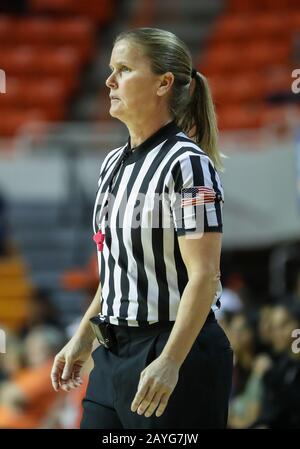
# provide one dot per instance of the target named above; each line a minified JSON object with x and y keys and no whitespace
{"x":99,"y":239}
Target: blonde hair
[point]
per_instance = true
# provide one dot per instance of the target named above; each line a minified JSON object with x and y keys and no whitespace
{"x":194,"y":111}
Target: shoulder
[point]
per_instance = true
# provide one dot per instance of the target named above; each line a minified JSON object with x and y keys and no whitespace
{"x":188,"y":153}
{"x":109,"y":159}
{"x":111,"y":155}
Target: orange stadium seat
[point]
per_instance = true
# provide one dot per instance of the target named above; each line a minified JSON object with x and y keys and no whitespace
{"x":62,"y":61}
{"x":6,"y":28}
{"x":11,"y":267}
{"x":262,"y":5}
{"x":248,"y":87}
{"x":101,"y":11}
{"x":268,"y":25}
{"x":277,"y":80}
{"x":230,"y":28}
{"x":77,"y":32}
{"x":15,"y":289}
{"x":46,"y":92}
{"x":13,"y":121}
{"x":245,"y":57}
{"x":265,"y":54}
{"x":294,"y":22}
{"x":238,"y":117}
{"x":224,"y":58}
{"x":26,"y":60}
{"x":18,"y":60}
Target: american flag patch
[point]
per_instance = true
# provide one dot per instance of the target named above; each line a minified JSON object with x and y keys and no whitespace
{"x":195,"y":196}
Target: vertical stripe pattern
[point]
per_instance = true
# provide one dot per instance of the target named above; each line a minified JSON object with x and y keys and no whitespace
{"x":141,"y":269}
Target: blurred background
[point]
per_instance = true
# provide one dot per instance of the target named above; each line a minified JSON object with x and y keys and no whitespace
{"x":55,"y":130}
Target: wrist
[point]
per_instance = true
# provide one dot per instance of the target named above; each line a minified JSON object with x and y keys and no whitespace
{"x":171,"y":358}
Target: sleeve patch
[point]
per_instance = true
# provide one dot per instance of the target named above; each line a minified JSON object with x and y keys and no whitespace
{"x":198,"y":195}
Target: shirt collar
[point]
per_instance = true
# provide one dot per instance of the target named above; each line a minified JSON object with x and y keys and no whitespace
{"x":167,"y":131}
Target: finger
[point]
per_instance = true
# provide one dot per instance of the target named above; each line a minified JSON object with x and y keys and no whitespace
{"x":76,"y":373}
{"x":73,"y":383}
{"x":67,"y":372}
{"x":55,"y":374}
{"x":68,"y":385}
{"x":65,"y":387}
{"x":154,"y":403}
{"x":163,"y":404}
{"x":146,"y":401}
{"x":140,"y":394}
{"x":54,"y":381}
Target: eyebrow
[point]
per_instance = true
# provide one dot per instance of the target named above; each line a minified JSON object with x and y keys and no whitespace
{"x":119,"y":63}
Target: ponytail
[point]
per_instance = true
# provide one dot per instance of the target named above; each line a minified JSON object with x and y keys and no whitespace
{"x":199,"y":120}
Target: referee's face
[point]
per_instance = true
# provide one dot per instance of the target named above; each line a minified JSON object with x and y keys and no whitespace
{"x":133,"y":85}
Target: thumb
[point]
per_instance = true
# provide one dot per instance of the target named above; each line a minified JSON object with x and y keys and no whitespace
{"x":67,"y":372}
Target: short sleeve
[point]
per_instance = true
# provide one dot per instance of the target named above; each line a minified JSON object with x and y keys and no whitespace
{"x":195,"y":195}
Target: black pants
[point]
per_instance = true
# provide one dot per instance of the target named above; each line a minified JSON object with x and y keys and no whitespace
{"x":199,"y":400}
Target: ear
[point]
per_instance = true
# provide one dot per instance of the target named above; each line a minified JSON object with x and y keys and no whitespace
{"x":165,"y":83}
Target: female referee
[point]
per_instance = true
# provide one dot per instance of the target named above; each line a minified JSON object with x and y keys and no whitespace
{"x":158,"y":226}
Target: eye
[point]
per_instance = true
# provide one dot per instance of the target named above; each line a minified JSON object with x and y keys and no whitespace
{"x":125,"y":69}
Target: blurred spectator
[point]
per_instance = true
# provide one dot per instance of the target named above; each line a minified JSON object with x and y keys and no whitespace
{"x":264,"y":328}
{"x":245,"y":407}
{"x":41,"y":312}
{"x":28,"y":397}
{"x":283,"y":321}
{"x":40,"y":345}
{"x":242,"y":335}
{"x":11,"y":360}
{"x":281,"y":384}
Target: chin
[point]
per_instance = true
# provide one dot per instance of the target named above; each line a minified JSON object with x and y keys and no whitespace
{"x":115,"y":113}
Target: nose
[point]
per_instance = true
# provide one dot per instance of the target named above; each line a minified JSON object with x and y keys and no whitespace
{"x":111,"y":81}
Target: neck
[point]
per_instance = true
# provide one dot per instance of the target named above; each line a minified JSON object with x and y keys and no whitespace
{"x":143,"y":129}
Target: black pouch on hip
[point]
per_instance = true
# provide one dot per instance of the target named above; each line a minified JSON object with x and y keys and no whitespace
{"x":103,"y":332}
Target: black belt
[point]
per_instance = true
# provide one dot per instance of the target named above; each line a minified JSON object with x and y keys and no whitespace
{"x":108,"y":334}
{"x":153,"y":329}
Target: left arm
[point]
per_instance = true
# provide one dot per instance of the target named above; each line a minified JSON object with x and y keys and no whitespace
{"x":202,"y":258}
{"x":201,"y":255}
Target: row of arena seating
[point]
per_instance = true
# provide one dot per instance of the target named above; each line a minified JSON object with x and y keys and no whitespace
{"x":15,"y":291}
{"x":43,"y":54}
{"x":42,"y":72}
{"x":249,"y":59}
{"x":101,"y":11}
{"x":261,"y":5}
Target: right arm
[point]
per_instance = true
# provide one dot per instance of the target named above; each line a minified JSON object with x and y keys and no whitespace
{"x":68,"y":362}
{"x":84,"y":330}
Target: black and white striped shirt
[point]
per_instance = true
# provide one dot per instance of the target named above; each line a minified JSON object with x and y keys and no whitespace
{"x":157,"y":192}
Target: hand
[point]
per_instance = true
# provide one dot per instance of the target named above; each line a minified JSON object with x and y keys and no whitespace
{"x":157,"y":382}
{"x":262,"y":364}
{"x":65,"y":373}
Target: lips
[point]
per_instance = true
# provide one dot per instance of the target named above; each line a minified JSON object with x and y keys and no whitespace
{"x":113,"y":97}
